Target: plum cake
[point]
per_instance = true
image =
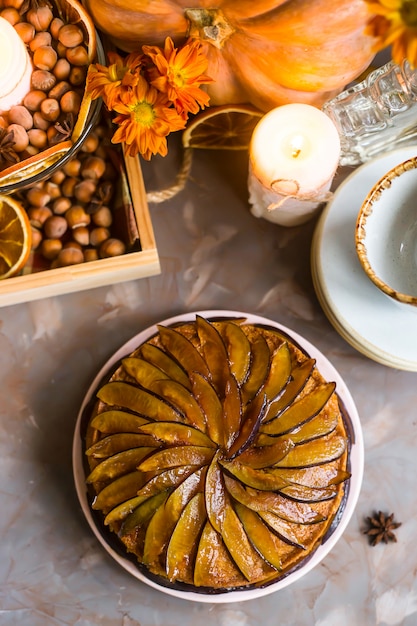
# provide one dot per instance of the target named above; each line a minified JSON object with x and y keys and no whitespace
{"x":217,"y":454}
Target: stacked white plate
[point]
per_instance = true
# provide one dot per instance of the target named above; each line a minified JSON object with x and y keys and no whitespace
{"x":361,"y":314}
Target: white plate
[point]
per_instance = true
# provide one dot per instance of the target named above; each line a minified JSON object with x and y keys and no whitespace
{"x":354,"y":484}
{"x":360,"y":313}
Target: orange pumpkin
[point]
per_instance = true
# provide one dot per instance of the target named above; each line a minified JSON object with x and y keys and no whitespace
{"x":265,"y":52}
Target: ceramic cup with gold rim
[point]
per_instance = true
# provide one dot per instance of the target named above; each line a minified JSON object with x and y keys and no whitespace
{"x":386,"y":234}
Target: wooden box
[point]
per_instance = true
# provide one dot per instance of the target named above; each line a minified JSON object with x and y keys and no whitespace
{"x":130,"y":266}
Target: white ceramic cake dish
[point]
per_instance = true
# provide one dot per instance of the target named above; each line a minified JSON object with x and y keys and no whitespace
{"x":356,"y":457}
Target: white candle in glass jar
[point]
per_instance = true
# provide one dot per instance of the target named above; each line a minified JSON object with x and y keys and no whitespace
{"x":15,"y":67}
{"x":294,"y":154}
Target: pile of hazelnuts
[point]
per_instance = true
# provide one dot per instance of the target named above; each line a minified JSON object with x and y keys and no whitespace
{"x":69,"y":212}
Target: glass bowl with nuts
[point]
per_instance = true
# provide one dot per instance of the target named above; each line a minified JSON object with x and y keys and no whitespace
{"x":43,"y":131}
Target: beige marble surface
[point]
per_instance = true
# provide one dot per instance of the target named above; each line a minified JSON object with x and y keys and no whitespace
{"x":214,"y":254}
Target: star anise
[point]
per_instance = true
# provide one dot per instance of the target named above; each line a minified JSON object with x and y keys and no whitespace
{"x":8,"y":155}
{"x":381,"y":527}
{"x":102,"y":197}
{"x":64,"y":128}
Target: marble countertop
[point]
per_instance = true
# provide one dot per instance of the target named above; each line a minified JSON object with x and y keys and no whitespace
{"x":214,"y":255}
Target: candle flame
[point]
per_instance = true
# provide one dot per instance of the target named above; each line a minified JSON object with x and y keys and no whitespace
{"x":297,"y":144}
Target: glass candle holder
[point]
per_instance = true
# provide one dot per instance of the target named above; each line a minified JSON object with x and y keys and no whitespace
{"x":293,"y":155}
{"x":377,"y":114}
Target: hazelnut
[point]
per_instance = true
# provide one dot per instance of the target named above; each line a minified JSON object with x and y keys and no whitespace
{"x":43,"y":79}
{"x":36,"y":196}
{"x":53,"y":134}
{"x":59,"y":90}
{"x":32,"y":100}
{"x":25,"y":31}
{"x":72,"y":167}
{"x":13,"y":3}
{"x":38,"y":215}
{"x":28,"y":152}
{"x":44,"y":58}
{"x":81,"y":235}
{"x":58,"y":177}
{"x":40,"y":39}
{"x":40,"y":17}
{"x":84,"y":190}
{"x":69,"y":256}
{"x":103,"y":217}
{"x":50,"y":248}
{"x":52,"y":188}
{"x":11,"y":15}
{"x":112,"y":247}
{"x":39,"y":121}
{"x":61,"y":205}
{"x":55,"y":227}
{"x":36,"y":238}
{"x":98,"y":235}
{"x":38,"y":185}
{"x":90,"y":254}
{"x":20,"y":115}
{"x":70,"y":102}
{"x":91,"y":143}
{"x":50,"y":109}
{"x":72,"y":244}
{"x":56,"y":26}
{"x":20,"y":137}
{"x":77,"y":217}
{"x":70,"y":35}
{"x":77,"y":56}
{"x":93,"y":168}
{"x":77,"y":76}
{"x":62,"y":69}
{"x":38,"y":138}
{"x":61,"y":50}
{"x":68,"y":187}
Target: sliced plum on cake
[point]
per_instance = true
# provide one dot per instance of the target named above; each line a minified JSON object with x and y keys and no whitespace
{"x":217,"y":454}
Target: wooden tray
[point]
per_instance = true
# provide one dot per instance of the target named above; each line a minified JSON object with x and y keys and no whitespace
{"x":129,"y":266}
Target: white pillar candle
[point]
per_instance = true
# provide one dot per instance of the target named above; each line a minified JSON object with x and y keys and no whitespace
{"x":15,"y":67}
{"x":294,"y":154}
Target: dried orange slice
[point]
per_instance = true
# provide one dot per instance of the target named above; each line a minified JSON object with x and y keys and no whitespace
{"x":226,"y":127}
{"x":15,"y":237}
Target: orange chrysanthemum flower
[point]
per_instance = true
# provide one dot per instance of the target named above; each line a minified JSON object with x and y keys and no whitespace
{"x":179,"y":74}
{"x":145,"y":119}
{"x":153,"y":93}
{"x":109,"y":82}
{"x":394,"y":22}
